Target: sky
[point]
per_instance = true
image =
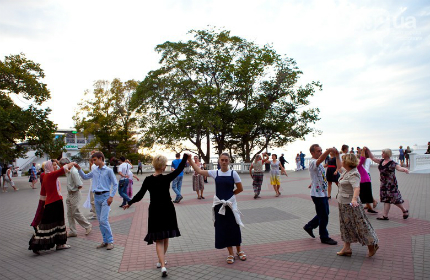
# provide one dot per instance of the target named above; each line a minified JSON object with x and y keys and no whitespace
{"x":372,"y":57}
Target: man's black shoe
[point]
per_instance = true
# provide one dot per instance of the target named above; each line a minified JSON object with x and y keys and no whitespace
{"x":329,"y":241}
{"x":309,"y":231}
{"x":179,"y":200}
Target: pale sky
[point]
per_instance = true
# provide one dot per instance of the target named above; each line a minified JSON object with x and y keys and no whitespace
{"x":372,"y":57}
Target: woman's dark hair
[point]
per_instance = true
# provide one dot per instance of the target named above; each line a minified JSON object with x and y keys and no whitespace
{"x":276,"y":156}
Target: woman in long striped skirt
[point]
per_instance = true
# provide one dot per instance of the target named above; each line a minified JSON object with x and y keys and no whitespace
{"x":258,"y":174}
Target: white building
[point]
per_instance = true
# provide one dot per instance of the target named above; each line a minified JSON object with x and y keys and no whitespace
{"x":73,"y":142}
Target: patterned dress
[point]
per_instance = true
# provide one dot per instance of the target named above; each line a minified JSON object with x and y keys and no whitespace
{"x":389,"y":189}
{"x":275,"y":173}
{"x":257,"y":177}
{"x":198,"y":180}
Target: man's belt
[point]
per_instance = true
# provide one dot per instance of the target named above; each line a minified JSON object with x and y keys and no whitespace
{"x":99,"y":193}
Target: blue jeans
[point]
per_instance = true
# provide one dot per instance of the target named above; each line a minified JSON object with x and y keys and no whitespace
{"x":321,"y":219}
{"x":102,"y":210}
{"x":302,"y":163}
{"x":176,"y":186}
{"x":122,"y":190}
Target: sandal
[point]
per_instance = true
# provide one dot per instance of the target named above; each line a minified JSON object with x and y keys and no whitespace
{"x":375,"y":248}
{"x":63,"y":247}
{"x":230,"y":259}
{"x":241,"y":255}
{"x":406,"y":214}
{"x":382,"y":218}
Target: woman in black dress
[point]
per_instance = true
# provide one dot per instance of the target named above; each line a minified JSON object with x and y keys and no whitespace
{"x":225,"y":212}
{"x":332,"y":174}
{"x":162,"y":223}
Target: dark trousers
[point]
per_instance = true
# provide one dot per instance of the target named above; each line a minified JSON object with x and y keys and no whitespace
{"x":302,"y":163}
{"x":321,"y":219}
{"x":139,"y":168}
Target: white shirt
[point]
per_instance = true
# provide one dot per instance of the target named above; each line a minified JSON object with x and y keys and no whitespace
{"x":366,"y":165}
{"x":124,"y":168}
{"x":236,"y":177}
{"x":319,"y":180}
{"x":231,"y":202}
{"x":130,"y":175}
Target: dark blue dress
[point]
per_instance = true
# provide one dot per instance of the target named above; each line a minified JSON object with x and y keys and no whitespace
{"x":227,"y":231}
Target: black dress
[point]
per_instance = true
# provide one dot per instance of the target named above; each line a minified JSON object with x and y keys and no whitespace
{"x":331,"y":168}
{"x":162,"y":222}
{"x":227,"y":231}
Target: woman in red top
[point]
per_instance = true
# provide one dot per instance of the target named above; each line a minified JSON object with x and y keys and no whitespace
{"x":52,"y":230}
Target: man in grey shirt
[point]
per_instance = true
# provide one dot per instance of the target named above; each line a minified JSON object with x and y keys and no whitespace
{"x":74,"y":185}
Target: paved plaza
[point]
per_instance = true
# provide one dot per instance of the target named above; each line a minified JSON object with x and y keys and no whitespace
{"x":273,"y":239}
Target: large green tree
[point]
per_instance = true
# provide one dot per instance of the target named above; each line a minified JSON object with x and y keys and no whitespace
{"x":22,"y":78}
{"x":225,"y":90}
{"x":105,"y":113}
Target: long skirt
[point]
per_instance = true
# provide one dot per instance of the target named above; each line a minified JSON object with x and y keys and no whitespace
{"x":52,"y":230}
{"x":227,"y":231}
{"x":257,"y":182}
{"x":354,"y":225}
{"x":366,"y":195}
{"x":130,"y":188}
{"x":39,"y":213}
{"x":198,"y":183}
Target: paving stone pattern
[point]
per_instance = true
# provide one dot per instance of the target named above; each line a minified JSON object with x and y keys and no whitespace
{"x":273,"y":238}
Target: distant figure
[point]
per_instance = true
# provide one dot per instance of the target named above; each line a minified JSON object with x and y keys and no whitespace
{"x":177,"y":182}
{"x":33,"y":176}
{"x":257,"y":177}
{"x":274,"y":174}
{"x":302,"y":160}
{"x":407,"y":152}
{"x":298,"y":162}
{"x":352,"y":151}
{"x":139,"y":167}
{"x":428,"y":148}
{"x":401,"y":156}
{"x":282,"y":160}
{"x":8,"y":179}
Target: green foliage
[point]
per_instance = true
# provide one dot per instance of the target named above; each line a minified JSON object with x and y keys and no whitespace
{"x":20,"y":77}
{"x":106,"y":114}
{"x":226,"y":90}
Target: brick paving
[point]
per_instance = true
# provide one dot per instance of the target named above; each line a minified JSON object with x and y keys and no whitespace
{"x":273,"y":238}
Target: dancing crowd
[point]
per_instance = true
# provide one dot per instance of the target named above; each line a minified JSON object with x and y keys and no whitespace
{"x":348,"y":170}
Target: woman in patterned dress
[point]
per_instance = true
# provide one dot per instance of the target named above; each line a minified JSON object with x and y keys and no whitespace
{"x":389,"y":191}
{"x":257,"y":177}
{"x":198,"y":180}
{"x":354,"y":225}
{"x":275,"y":180}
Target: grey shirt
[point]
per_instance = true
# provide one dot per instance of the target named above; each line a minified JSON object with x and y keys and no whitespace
{"x":73,"y":180}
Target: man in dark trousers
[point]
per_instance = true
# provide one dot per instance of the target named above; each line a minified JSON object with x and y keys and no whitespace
{"x":283,"y":161}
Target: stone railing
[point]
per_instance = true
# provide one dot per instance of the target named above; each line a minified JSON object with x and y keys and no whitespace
{"x":419,"y":163}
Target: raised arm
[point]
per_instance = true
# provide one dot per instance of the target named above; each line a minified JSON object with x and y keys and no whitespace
{"x":82,"y":174}
{"x":372,"y":157}
{"x":197,"y":168}
{"x":171,"y":176}
{"x":323,"y":156}
{"x":265,"y":158}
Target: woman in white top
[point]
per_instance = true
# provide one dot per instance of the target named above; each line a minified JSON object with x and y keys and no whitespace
{"x":226,"y":215}
{"x":275,"y":180}
{"x":258,"y":175}
{"x":298,"y":162}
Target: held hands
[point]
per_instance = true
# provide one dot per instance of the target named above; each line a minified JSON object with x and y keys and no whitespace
{"x":406,"y":171}
{"x":76,"y":165}
{"x":125,"y":206}
{"x":354,"y":203}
